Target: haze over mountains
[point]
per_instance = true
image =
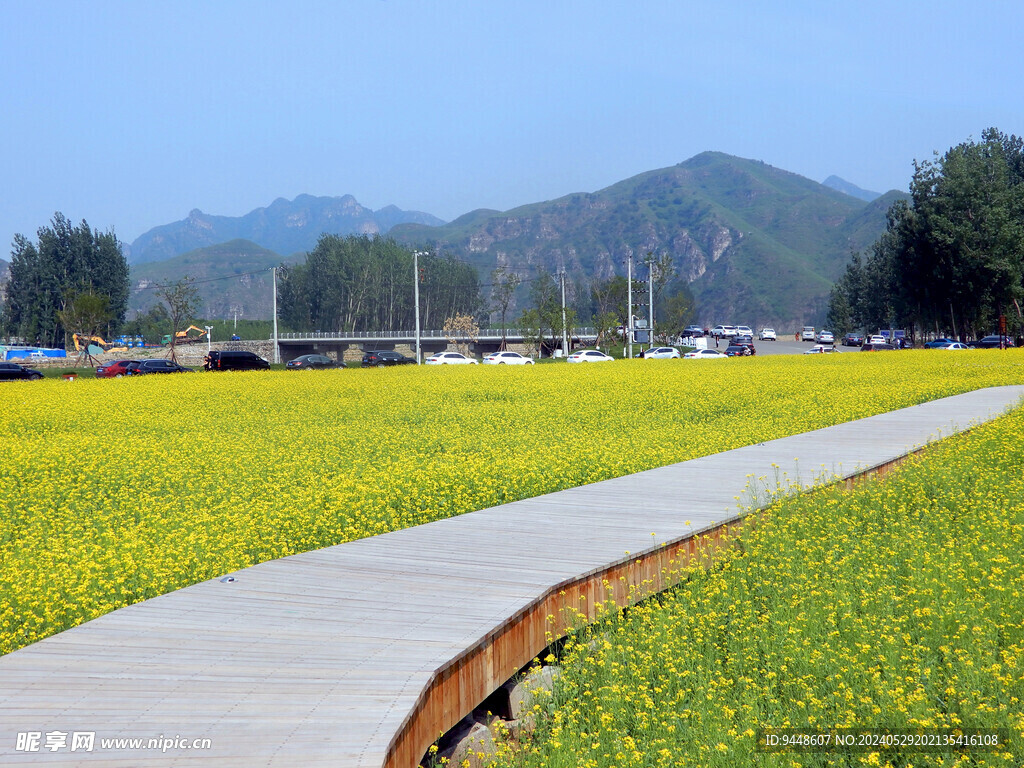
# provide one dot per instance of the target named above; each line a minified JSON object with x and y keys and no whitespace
{"x":757,"y":244}
{"x":285,"y":226}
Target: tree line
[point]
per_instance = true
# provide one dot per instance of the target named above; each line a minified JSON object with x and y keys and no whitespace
{"x":76,"y":280}
{"x":602,"y":304}
{"x":360,"y":283}
{"x":951,"y":259}
{"x":72,"y":280}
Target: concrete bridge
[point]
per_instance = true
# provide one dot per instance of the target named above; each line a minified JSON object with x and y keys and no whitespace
{"x":487,"y":340}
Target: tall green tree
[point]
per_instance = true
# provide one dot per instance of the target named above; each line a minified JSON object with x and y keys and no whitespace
{"x":65,"y":261}
{"x":360,"y":283}
{"x":952,"y":259}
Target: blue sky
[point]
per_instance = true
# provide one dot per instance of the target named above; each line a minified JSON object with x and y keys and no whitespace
{"x":129,"y":114}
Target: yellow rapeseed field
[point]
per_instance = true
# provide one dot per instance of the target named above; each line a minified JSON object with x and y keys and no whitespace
{"x":113,"y":491}
{"x":898,"y":605}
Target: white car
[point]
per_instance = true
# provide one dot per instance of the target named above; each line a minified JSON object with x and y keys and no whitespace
{"x":820,"y":349}
{"x":507,"y":358}
{"x":807,"y":333}
{"x":744,"y":330}
{"x":660,"y":353}
{"x":705,"y":354}
{"x":955,"y":345}
{"x":767,"y":334}
{"x":877,"y":339}
{"x":450,"y":358}
{"x":589,"y":356}
{"x":825,"y":337}
{"x":724,"y":331}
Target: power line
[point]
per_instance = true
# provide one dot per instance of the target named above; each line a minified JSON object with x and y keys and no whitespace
{"x":158,"y":286}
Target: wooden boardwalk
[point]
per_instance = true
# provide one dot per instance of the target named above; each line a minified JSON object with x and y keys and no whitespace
{"x":362,"y":653}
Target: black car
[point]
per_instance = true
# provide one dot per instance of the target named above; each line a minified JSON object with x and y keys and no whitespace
{"x":744,"y":341}
{"x":739,"y":350}
{"x":234,"y":360}
{"x":877,"y":347}
{"x":991,"y":342}
{"x":14,"y":372}
{"x":380,"y":357}
{"x":853,"y":340}
{"x":155,"y":366}
{"x":309,"y":362}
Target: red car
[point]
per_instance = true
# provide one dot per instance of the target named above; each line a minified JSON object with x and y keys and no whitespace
{"x":114,"y":370}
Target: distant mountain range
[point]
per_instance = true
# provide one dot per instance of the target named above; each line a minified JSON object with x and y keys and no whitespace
{"x":285,"y":226}
{"x":758,"y":245}
{"x":852,"y":190}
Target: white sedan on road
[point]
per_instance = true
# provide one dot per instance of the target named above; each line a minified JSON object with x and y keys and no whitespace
{"x":767,"y":334}
{"x":820,"y":349}
{"x":660,"y":353}
{"x":705,"y":354}
{"x":589,"y":356}
{"x":450,"y":358}
{"x":507,"y":358}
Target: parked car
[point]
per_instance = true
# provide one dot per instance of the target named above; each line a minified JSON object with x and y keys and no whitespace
{"x":873,"y":346}
{"x":807,"y":333}
{"x":824,"y":337}
{"x":114,"y":370}
{"x":705,"y":354}
{"x":953,"y":346}
{"x":877,"y":339}
{"x":507,"y":357}
{"x":660,"y":353}
{"x":589,"y":356}
{"x":738,"y":350}
{"x":724,"y":331}
{"x":820,"y":349}
{"x":234,"y":360}
{"x":991,"y":342}
{"x":853,"y":340}
{"x":767,"y":334}
{"x":378,"y":357}
{"x":694,"y":331}
{"x":156,"y":366}
{"x":744,"y":330}
{"x":450,"y":358}
{"x":939,"y":343}
{"x":14,"y":372}
{"x":308,"y":362}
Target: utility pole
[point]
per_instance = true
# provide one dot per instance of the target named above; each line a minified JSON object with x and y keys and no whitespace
{"x":565,"y":333}
{"x":277,"y":348}
{"x":629,"y":301}
{"x":416,"y":296}
{"x":650,"y":304}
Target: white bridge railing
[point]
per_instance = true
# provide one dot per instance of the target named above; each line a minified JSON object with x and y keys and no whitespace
{"x":487,"y":333}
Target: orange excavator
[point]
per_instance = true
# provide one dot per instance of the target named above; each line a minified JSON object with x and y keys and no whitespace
{"x":190,"y":335}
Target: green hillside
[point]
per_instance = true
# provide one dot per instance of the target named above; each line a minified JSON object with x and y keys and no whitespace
{"x":231,"y":278}
{"x":757,"y":244}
